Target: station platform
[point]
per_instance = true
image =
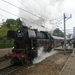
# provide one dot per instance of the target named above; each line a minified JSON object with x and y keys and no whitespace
{"x":68,"y":49}
{"x":69,"y":67}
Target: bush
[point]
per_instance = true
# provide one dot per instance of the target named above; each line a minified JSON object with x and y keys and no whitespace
{"x":6,"y":43}
{"x":6,"y":46}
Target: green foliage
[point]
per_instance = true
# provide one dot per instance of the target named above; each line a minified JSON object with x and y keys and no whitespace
{"x":3,"y":31}
{"x":6,"y":46}
{"x":58,"y":32}
{"x":10,"y":24}
{"x":14,"y":23}
{"x":18,"y":23}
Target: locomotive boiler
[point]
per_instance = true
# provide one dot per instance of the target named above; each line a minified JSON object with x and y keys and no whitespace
{"x":26,"y":44}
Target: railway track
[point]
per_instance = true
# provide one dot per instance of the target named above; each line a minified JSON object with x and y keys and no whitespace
{"x":12,"y":69}
{"x":5,"y":70}
{"x":2,"y":59}
{"x":4,"y":64}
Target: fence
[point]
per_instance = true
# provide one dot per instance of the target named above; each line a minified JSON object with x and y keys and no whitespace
{"x":6,"y":42}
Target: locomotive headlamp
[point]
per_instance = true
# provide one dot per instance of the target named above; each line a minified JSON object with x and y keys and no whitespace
{"x":32,"y":47}
{"x":19,"y":31}
{"x":12,"y":47}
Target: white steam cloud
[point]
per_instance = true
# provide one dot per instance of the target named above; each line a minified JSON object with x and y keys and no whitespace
{"x":44,"y":10}
{"x":42,"y":55}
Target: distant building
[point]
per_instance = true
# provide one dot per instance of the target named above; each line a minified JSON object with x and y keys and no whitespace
{"x":73,"y":33}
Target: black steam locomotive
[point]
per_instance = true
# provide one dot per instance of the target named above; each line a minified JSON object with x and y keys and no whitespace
{"x":26,"y":44}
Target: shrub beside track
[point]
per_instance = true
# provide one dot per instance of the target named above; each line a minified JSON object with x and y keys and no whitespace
{"x":6,"y":43}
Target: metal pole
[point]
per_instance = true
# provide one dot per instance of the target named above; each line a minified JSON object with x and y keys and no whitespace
{"x":64,"y":35}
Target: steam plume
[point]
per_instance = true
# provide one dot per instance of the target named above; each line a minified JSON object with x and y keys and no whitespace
{"x":44,"y":9}
{"x":42,"y":55}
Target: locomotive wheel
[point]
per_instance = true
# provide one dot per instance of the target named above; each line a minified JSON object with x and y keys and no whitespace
{"x":35,"y":54}
{"x":14,"y":61}
{"x":31,"y":58}
{"x":22,"y":62}
{"x":49,"y":49}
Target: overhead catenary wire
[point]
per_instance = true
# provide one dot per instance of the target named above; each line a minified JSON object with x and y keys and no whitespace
{"x":43,"y":8}
{"x":56,"y":18}
{"x":8,"y":12}
{"x":24,"y":5}
{"x":31,"y":11}
{"x":14,"y":14}
{"x":23,"y":10}
{"x":51,"y":15}
{"x":57,"y":22}
{"x":19,"y":17}
{"x":47,"y":12}
{"x":3,"y":16}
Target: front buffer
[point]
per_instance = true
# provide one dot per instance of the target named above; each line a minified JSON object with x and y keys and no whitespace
{"x":16,"y":58}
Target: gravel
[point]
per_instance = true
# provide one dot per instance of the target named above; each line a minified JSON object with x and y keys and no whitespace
{"x":50,"y":66}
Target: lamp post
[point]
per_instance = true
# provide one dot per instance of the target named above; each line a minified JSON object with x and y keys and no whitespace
{"x":65,"y":31}
{"x":64,"y":35}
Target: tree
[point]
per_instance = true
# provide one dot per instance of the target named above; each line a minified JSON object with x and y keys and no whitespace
{"x":58,"y":32}
{"x":3,"y":31}
{"x":10,"y":24}
{"x":17,"y":23}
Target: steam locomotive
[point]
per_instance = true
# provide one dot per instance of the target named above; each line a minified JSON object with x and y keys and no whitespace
{"x":26,"y":44}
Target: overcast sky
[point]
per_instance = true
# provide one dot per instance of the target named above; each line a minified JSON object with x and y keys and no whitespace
{"x":63,"y":6}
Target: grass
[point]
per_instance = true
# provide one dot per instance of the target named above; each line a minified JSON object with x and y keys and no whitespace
{"x":6,"y":46}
